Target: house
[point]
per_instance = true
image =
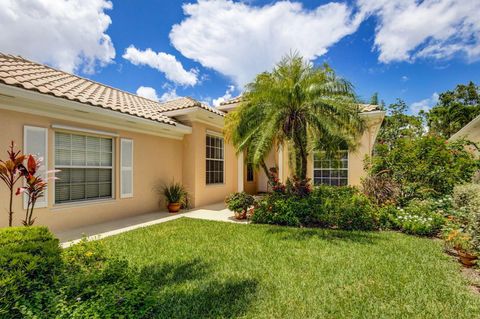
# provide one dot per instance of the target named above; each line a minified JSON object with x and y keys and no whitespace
{"x":470,"y":132}
{"x":114,"y":149}
{"x":348,"y":171}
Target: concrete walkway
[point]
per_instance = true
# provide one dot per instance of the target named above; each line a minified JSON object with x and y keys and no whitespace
{"x":216,"y":212}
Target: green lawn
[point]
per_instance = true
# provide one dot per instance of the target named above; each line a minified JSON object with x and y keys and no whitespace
{"x":213,"y":269}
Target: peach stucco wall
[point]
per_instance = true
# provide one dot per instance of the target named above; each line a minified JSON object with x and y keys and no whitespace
{"x":356,"y":158}
{"x":157,"y":160}
{"x":194,"y":148}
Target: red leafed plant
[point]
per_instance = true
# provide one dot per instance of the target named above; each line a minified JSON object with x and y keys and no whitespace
{"x":35,"y":186}
{"x":10,"y":174}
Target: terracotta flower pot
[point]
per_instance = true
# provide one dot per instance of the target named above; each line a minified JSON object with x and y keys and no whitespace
{"x":174,"y":207}
{"x":240,"y":215}
{"x":467,"y":259}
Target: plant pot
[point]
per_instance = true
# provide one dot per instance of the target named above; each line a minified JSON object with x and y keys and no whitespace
{"x":174,"y":207}
{"x":467,"y":259}
{"x":240,"y":215}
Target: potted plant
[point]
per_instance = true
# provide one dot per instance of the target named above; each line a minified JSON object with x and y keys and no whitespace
{"x":176,"y":196}
{"x":462,"y":243}
{"x":239,"y":203}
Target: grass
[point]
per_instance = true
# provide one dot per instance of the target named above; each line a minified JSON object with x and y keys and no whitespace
{"x":209,"y":269}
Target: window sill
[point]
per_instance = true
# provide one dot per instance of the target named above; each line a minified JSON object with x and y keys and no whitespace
{"x":59,"y":207}
{"x":215,"y":185}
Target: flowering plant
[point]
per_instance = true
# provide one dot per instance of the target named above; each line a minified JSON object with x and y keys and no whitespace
{"x":274,"y":181}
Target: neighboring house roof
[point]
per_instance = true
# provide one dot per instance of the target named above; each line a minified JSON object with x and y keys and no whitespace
{"x":470,"y":131}
{"x":230,"y":104}
{"x":19,"y":72}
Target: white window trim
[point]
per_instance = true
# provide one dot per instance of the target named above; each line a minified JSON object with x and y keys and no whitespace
{"x":331,"y":169}
{"x":42,"y":204}
{"x":215,"y":135}
{"x":93,"y":200}
{"x":122,"y":195}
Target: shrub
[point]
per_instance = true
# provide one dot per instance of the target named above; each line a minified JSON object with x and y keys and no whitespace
{"x":463,"y":230}
{"x":30,"y":261}
{"x":343,"y":208}
{"x":240,"y":203}
{"x":467,"y":196}
{"x":280,"y":210}
{"x":381,"y":189}
{"x":420,"y":218}
{"x":388,"y":217}
{"x":334,"y":207}
{"x":424,"y":167}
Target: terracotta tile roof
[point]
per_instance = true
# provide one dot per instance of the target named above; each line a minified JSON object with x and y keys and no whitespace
{"x":19,"y":72}
{"x":234,"y":100}
{"x":185,"y":103}
{"x":363,"y":107}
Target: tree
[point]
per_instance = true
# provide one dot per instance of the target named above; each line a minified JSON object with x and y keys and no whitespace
{"x":374,"y":99}
{"x":397,"y":124}
{"x":454,"y":110}
{"x":298,"y":105}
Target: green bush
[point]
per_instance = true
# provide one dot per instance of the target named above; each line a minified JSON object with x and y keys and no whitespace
{"x":424,"y":167}
{"x":343,"y":208}
{"x":420,"y":218}
{"x":463,"y":229}
{"x":467,"y":196}
{"x":280,"y":210}
{"x":239,"y":202}
{"x":333,"y":207}
{"x":30,"y":261}
{"x":388,"y":217}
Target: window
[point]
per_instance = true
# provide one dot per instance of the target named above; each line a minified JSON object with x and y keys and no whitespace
{"x":249,"y":172}
{"x":331,"y":171}
{"x":86,"y":167}
{"x":215,"y":161}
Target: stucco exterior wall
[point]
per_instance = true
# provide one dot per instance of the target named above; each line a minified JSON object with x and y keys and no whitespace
{"x":157,"y":160}
{"x":195,"y":168}
{"x":356,"y":157}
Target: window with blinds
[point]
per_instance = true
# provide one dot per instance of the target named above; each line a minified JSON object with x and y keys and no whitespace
{"x":215,"y":160}
{"x":331,"y":171}
{"x":86,"y":167}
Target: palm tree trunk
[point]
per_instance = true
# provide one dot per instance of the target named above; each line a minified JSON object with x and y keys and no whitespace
{"x":301,"y":154}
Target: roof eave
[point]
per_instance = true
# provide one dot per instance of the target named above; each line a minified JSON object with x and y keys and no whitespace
{"x":53,"y":103}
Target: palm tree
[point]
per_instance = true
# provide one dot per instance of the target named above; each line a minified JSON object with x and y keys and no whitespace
{"x":297,"y":105}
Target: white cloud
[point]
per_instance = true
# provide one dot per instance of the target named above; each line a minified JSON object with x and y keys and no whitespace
{"x":169,"y":95}
{"x":148,"y":92}
{"x":228,"y":95}
{"x":65,"y":34}
{"x":240,"y":41}
{"x":424,"y":105}
{"x":163,"y":62}
{"x":404,"y":78}
{"x":438,"y":29}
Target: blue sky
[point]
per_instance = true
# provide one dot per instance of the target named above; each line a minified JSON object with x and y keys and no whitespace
{"x":210,"y":49}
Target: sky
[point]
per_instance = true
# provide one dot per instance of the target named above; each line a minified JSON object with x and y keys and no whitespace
{"x":210,"y":49}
